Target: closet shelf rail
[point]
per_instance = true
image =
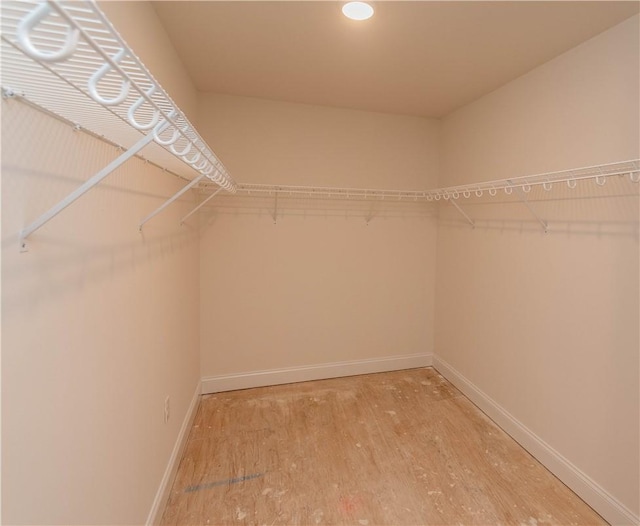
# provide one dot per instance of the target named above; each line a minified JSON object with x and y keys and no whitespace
{"x":326,"y":192}
{"x":67,"y":57}
{"x":598,"y":173}
{"x":519,"y":186}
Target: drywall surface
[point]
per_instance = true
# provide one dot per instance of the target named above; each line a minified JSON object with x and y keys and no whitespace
{"x":326,"y":281}
{"x":140,"y":27}
{"x":99,"y":325}
{"x":547,"y":324}
{"x":263,"y":141}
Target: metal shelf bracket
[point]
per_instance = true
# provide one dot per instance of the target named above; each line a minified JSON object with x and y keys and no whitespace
{"x":459,"y":209}
{"x":523,"y":199}
{"x":275,"y":208}
{"x":170,"y":200}
{"x":200,"y":205}
{"x":82,"y":189}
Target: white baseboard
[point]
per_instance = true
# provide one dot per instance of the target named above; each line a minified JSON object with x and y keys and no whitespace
{"x":162,"y":495}
{"x":612,"y":510}
{"x":288,"y":375}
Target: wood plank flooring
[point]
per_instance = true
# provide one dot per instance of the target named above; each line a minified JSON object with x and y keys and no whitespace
{"x":399,"y":448}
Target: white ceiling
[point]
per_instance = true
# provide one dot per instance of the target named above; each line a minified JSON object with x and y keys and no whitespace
{"x":418,"y":58}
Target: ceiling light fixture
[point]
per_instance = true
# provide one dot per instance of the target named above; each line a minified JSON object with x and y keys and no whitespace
{"x":357,"y":10}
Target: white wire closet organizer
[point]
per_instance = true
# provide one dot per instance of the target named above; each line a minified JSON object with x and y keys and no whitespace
{"x":520,"y":187}
{"x":66,"y":57}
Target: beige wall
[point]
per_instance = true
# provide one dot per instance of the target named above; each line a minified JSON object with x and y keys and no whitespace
{"x":142,"y":30}
{"x":263,"y":141}
{"x":547,"y":324}
{"x":320,"y":285}
{"x":99,"y":322}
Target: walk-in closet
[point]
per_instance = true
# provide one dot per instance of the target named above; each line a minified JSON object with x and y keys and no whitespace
{"x":319,"y":263}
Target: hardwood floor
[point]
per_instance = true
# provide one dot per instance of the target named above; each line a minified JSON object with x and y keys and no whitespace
{"x":399,"y":448}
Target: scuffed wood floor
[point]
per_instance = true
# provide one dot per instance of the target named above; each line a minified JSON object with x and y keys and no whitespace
{"x":399,"y":448}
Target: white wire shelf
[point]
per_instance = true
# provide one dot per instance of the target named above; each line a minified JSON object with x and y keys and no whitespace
{"x":66,"y":57}
{"x":598,"y":173}
{"x":325,"y":192}
{"x":519,"y":186}
{"x":524,"y":184}
{"x":76,"y":127}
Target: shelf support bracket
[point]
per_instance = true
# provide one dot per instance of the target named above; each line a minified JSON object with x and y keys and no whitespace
{"x":275,"y":209}
{"x":170,"y":200}
{"x":82,"y":189}
{"x":371,"y":214}
{"x":459,"y":209}
{"x":523,"y":199}
{"x":200,"y":205}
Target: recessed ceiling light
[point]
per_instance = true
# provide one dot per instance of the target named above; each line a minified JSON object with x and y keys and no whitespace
{"x":357,"y":10}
